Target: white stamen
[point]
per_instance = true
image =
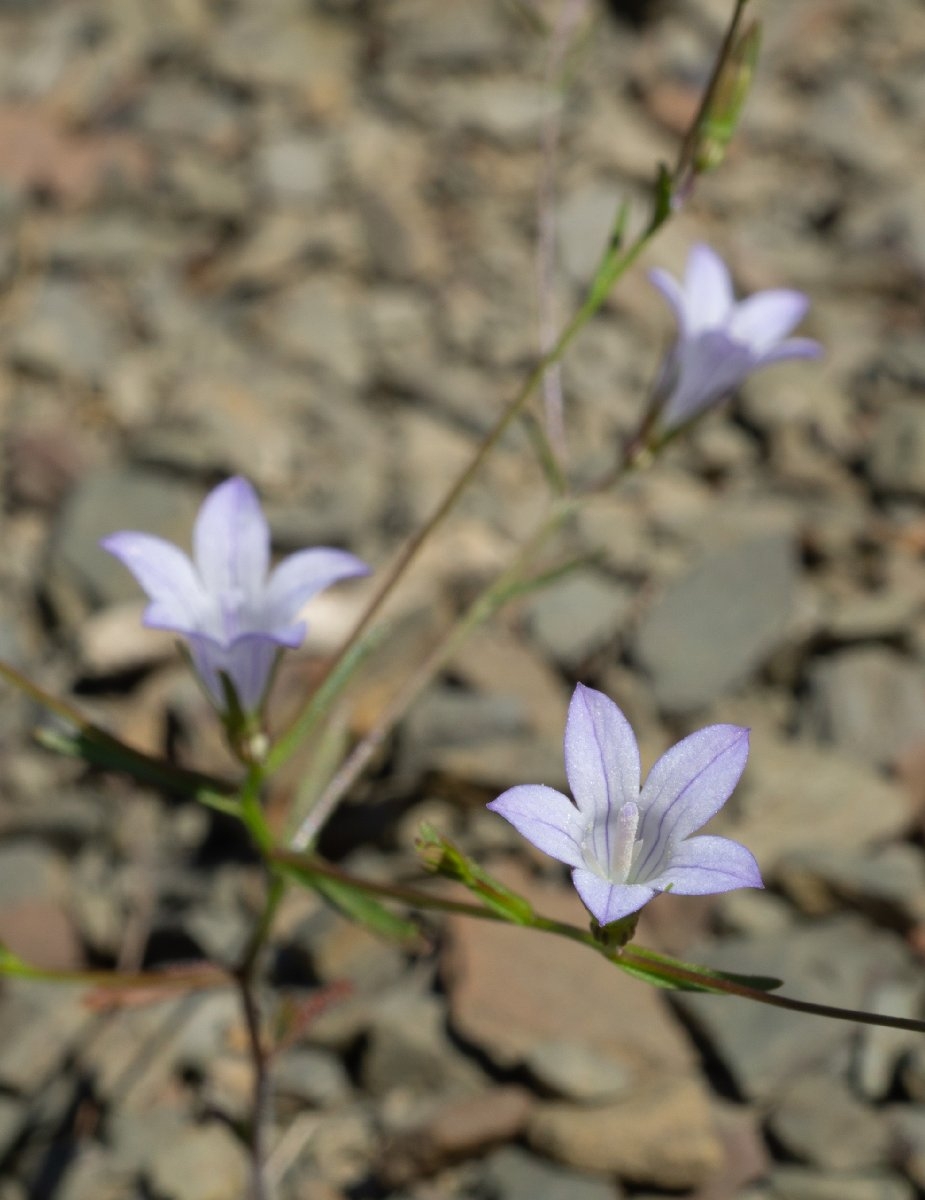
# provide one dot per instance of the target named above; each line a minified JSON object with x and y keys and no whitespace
{"x":625,"y":841}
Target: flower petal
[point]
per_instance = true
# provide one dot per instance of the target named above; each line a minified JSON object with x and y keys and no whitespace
{"x":606,"y":901}
{"x":231,"y":544}
{"x":688,"y":785}
{"x":708,"y":295}
{"x":546,"y":818}
{"x":763,"y":319}
{"x":166,"y":575}
{"x":299,"y":577}
{"x":602,"y":765}
{"x":673,"y":293}
{"x":702,"y":865}
{"x":248,"y":662}
{"x":791,"y":348}
{"x":706,"y":368}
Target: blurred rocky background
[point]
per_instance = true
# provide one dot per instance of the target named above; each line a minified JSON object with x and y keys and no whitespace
{"x":297,"y":239}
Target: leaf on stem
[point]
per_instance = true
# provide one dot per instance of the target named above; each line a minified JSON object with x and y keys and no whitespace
{"x":443,"y":858}
{"x":355,"y":904}
{"x":663,"y":971}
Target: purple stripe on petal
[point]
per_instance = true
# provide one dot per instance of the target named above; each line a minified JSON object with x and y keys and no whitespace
{"x":792,"y":348}
{"x":164,"y":572}
{"x":608,"y":902}
{"x":601,"y":763}
{"x":701,"y":866}
{"x":708,"y":294}
{"x":687,"y":786}
{"x":299,"y":577}
{"x":544,"y":817}
{"x":231,"y":545}
{"x":763,"y":319}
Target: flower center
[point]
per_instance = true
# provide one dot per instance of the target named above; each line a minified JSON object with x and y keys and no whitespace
{"x":621,"y":859}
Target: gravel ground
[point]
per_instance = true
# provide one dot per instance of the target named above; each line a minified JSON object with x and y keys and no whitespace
{"x":296,"y":239}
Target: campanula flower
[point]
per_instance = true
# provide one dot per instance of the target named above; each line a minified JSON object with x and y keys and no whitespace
{"x":719,"y":342}
{"x":236,"y":614}
{"x":625,"y":843}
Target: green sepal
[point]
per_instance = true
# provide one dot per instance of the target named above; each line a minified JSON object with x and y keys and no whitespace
{"x":658,"y":969}
{"x":443,"y":858}
{"x":357,"y":905}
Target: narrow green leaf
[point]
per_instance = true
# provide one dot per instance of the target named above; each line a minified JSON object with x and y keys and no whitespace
{"x":356,"y":904}
{"x":661,"y":970}
{"x":443,"y":858}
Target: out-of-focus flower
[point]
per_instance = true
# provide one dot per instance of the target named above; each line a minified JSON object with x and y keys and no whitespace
{"x":236,"y":614}
{"x":625,"y":843}
{"x":720,"y":342}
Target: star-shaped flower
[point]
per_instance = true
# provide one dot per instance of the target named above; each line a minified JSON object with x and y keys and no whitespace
{"x":720,"y":342}
{"x":624,"y":843}
{"x":236,"y":614}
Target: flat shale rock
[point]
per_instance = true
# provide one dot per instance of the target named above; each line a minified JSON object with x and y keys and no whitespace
{"x":513,"y":1173}
{"x":868,"y":702}
{"x":101,"y":503}
{"x":818,"y":1120}
{"x":712,"y":626}
{"x":455,"y":1130}
{"x":794,"y":796}
{"x":661,"y":1135}
{"x":510,"y":991}
{"x":799,"y":1183}
{"x":836,"y":961}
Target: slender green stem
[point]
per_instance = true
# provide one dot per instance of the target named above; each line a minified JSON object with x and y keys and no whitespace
{"x":630,"y":955}
{"x":102,"y":749}
{"x":485,"y":604}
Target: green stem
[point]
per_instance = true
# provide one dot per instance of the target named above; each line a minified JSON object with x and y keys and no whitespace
{"x":485,"y":604}
{"x":630,"y":955}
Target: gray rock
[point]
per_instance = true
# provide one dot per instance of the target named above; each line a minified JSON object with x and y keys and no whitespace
{"x":585,"y":225}
{"x":795,"y":796}
{"x":295,"y":168}
{"x":912,"y":1071}
{"x":714,"y":625}
{"x":317,"y":322}
{"x":835,"y":961}
{"x":798,"y":1183}
{"x":666,"y":1136}
{"x":104,"y":502}
{"x":67,"y":333}
{"x":888,"y":883}
{"x":312,"y":1076}
{"x":408,"y":1048}
{"x":29,"y":870}
{"x":14,"y":1119}
{"x":881,"y":1053}
{"x":577,"y":1072}
{"x":818,"y":1120}
{"x":907,"y":1122}
{"x":179,"y":1160}
{"x":512,"y":1173}
{"x":578,"y":615}
{"x":869,"y":702}
{"x":897,"y":454}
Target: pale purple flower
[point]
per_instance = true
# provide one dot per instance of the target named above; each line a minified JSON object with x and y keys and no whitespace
{"x":625,"y":843}
{"x":720,"y":342}
{"x":236,"y":613}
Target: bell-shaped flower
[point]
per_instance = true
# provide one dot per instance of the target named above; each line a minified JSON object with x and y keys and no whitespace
{"x":624,"y":842}
{"x":720,"y":342}
{"x":236,"y":613}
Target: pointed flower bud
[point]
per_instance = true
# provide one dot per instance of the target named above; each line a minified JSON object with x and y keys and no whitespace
{"x":721,"y":117}
{"x":719,"y":342}
{"x":626,"y":842}
{"x":236,"y":614}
